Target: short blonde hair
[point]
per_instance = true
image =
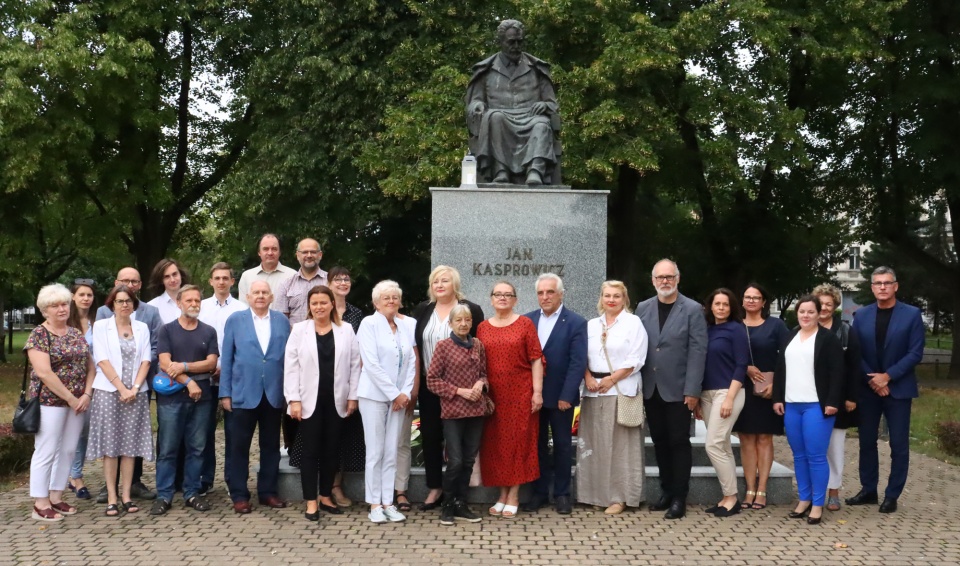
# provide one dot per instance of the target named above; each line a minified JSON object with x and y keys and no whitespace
{"x":620,"y":287}
{"x":830,"y":291}
{"x":54,"y":294}
{"x":454,"y":278}
{"x":385,"y":286}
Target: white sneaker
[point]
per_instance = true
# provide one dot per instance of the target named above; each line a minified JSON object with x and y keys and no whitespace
{"x":393,"y":515}
{"x":377,"y":515}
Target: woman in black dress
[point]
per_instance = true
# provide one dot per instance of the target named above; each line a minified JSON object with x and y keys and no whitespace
{"x":830,"y":300}
{"x":757,"y":422}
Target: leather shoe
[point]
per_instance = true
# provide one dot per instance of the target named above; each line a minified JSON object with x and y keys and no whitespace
{"x":889,"y":505}
{"x":662,"y":505}
{"x":678,"y":508}
{"x":273,"y":501}
{"x":332,"y":509}
{"x":863,"y":498}
{"x":242,"y":507}
{"x":562,"y":502}
{"x":534,"y":504}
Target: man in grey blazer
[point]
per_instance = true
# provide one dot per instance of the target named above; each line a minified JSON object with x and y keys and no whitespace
{"x":150,"y":316}
{"x":672,"y":378}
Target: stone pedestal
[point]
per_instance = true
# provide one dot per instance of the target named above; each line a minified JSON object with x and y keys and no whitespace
{"x":514,"y":233}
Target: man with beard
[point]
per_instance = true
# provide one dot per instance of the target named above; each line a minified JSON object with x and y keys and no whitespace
{"x":188,"y":353}
{"x":672,"y":379}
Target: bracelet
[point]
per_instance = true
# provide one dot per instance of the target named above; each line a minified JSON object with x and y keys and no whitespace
{"x":87,"y":394}
{"x":187,"y":382}
{"x":186,"y":367}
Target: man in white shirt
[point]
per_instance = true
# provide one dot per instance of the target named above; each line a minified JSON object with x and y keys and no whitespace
{"x":167,"y":276}
{"x":269,"y":270}
{"x":214,"y":311}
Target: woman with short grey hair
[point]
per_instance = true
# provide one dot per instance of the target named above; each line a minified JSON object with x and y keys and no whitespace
{"x":386,"y":383}
{"x":62,"y":377}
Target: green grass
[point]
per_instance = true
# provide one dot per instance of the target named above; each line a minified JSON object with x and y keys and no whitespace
{"x":940,"y":341}
{"x":934,"y":405}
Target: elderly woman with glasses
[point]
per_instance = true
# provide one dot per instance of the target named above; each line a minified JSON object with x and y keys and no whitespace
{"x":508,"y":450}
{"x":62,"y":377}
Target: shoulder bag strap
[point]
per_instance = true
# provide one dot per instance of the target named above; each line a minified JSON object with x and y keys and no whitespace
{"x":603,"y":346}
{"x":749,"y":344}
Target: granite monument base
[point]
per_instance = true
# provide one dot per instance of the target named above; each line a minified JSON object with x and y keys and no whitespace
{"x":515,"y":234}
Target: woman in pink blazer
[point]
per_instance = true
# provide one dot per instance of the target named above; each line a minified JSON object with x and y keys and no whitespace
{"x":321,"y":373}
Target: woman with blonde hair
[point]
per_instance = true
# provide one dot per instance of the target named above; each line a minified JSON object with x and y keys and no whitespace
{"x":433,"y":325}
{"x":610,"y":455}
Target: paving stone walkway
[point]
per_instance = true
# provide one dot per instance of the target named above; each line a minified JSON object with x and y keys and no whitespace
{"x":926,"y":530}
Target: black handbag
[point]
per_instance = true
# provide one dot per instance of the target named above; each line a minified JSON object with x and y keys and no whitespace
{"x":26,"y":417}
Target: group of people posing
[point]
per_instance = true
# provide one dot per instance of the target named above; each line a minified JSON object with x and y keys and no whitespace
{"x":294,"y":359}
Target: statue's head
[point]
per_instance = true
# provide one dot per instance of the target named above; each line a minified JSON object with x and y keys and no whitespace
{"x":510,"y":35}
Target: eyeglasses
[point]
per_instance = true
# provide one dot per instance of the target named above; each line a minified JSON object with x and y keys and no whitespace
{"x":883,"y":283}
{"x":665,"y":278}
{"x":503,"y":295}
{"x":87,"y":282}
{"x":129,"y":282}
{"x":751,"y":299}
{"x":123,"y":301}
{"x":341,"y":279}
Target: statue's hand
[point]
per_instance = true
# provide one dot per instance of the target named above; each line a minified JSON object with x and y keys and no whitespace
{"x":477,"y":108}
{"x":539,"y":108}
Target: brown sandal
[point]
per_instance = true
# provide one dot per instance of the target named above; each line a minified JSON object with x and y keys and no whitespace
{"x":49,"y":515}
{"x":64,"y":508}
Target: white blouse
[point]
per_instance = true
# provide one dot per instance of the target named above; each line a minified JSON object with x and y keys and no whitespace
{"x":800,"y":384}
{"x":626,"y":345}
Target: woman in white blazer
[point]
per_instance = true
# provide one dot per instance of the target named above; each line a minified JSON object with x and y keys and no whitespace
{"x":320,"y":378}
{"x":386,"y":381}
{"x":120,"y":410}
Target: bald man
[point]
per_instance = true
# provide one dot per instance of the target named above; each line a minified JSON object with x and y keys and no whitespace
{"x":290,"y":296}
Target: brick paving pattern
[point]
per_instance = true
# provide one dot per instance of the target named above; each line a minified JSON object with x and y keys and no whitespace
{"x":926,"y":530}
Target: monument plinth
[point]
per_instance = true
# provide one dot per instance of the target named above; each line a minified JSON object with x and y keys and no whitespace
{"x":516,"y":233}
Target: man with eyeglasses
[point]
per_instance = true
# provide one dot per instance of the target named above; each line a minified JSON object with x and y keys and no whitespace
{"x":150,"y":316}
{"x":269,"y":270}
{"x":891,"y":337}
{"x":290,"y":298}
{"x":672,"y":379}
{"x":291,"y":295}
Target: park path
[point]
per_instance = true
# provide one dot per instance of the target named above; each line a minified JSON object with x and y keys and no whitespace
{"x":926,"y":530}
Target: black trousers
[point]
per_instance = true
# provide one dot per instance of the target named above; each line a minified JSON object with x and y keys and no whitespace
{"x":463,"y":443}
{"x":321,"y":448}
{"x":431,"y":434}
{"x":670,"y":431}
{"x":242,"y":424}
{"x":555,"y":470}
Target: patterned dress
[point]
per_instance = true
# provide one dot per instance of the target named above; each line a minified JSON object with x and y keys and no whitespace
{"x":121,"y":429}
{"x":508,"y":451}
{"x":68,"y":359}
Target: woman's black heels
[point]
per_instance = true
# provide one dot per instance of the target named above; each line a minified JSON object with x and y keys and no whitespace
{"x":800,"y":514}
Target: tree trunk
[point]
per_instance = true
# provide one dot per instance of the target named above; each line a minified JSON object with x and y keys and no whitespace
{"x":621,"y":256}
{"x":3,"y":352}
{"x":954,"y":372}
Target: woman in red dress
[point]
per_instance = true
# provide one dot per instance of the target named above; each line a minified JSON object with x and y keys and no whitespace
{"x":508,"y":451}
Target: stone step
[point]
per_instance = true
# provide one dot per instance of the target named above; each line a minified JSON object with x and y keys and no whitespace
{"x":704,"y":487}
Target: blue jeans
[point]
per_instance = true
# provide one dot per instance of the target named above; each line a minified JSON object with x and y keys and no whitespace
{"x":178,"y":423}
{"x":76,"y":470}
{"x":808,"y":432}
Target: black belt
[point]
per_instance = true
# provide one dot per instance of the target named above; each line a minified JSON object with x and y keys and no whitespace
{"x":598,"y":376}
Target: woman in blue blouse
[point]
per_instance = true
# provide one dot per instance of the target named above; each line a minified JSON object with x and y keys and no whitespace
{"x":722,"y":396}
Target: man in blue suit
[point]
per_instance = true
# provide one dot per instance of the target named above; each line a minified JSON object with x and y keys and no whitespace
{"x":251,"y":388}
{"x":563,"y":338}
{"x":150,"y":316}
{"x":891,"y":337}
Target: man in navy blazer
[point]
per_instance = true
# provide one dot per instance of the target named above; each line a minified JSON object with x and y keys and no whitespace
{"x":149,"y":315}
{"x":891,"y":337}
{"x":251,"y":388}
{"x":563,"y":338}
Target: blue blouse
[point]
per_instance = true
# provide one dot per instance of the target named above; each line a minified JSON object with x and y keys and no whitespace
{"x":727,"y":355}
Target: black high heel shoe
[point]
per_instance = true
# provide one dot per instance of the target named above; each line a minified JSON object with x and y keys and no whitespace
{"x":814,"y":520}
{"x":800,"y":514}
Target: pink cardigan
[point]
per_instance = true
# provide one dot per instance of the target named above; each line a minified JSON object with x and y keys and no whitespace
{"x":301,"y":374}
